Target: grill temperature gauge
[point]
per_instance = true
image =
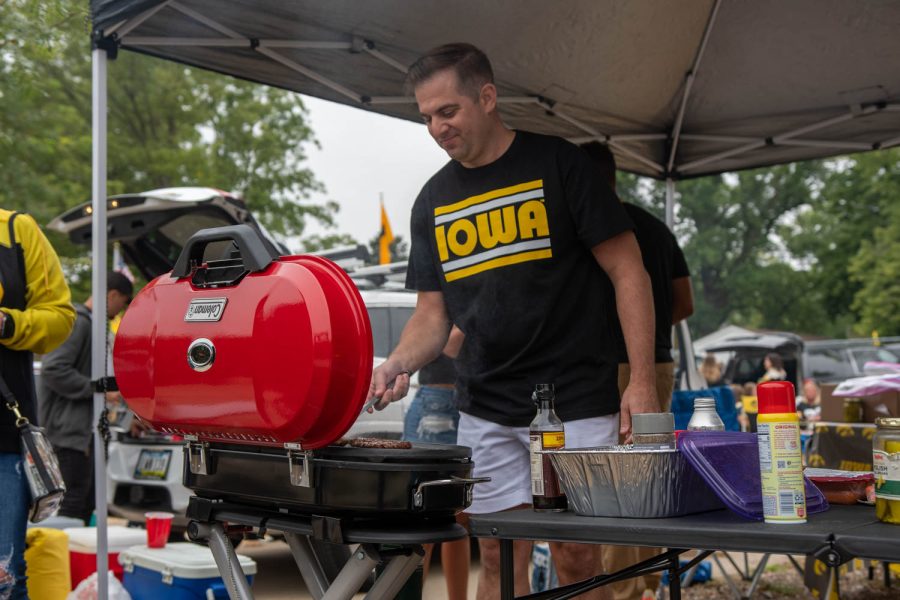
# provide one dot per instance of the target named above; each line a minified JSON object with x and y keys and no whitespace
{"x":201,"y":354}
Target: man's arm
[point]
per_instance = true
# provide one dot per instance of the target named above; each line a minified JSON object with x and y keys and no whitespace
{"x":620,"y":257}
{"x":422,"y":340}
{"x":48,"y":316}
{"x":682,"y":299}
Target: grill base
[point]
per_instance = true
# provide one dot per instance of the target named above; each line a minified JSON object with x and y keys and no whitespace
{"x":346,"y":482}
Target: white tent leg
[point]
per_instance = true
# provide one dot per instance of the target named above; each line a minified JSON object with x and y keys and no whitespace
{"x":98,"y":293}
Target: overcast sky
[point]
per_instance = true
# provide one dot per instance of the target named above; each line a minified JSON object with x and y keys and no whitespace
{"x":363,"y":154}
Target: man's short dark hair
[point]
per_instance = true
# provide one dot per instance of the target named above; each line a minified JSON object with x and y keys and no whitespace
{"x":604,"y":161}
{"x":472,"y":67}
{"x":120,"y":283}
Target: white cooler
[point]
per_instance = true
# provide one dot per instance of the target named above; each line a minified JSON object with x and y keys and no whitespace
{"x":180,"y":571}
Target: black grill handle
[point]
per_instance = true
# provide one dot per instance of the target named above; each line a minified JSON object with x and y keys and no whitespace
{"x":255,"y":253}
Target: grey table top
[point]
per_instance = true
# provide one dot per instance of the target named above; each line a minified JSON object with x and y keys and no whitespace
{"x":853,"y":526}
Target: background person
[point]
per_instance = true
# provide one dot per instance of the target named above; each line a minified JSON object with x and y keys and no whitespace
{"x":67,"y":401}
{"x":673,"y":300}
{"x":434,"y":417}
{"x":809,"y":408}
{"x":751,"y":404}
{"x":711,"y":369}
{"x":506,"y":239}
{"x":36,"y":315}
{"x":774,"y":366}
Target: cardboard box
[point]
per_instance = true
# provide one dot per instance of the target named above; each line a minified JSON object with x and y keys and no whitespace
{"x":886,"y":404}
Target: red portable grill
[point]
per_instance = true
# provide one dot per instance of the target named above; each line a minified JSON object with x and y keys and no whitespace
{"x":261,"y":361}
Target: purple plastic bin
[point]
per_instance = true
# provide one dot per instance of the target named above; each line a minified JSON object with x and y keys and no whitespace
{"x":729,"y":463}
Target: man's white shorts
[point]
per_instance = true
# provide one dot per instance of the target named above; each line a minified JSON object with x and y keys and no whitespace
{"x":501,"y":453}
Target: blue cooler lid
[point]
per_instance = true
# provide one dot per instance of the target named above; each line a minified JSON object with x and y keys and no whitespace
{"x":729,"y":462}
{"x":179,"y":559}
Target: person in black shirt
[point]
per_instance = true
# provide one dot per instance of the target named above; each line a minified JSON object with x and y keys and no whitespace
{"x":673,"y":297}
{"x":506,"y":243}
{"x":673,"y":300}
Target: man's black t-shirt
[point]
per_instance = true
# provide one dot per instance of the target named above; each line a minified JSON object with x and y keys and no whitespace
{"x":508,"y":244}
{"x":438,"y":371}
{"x":664,"y":261}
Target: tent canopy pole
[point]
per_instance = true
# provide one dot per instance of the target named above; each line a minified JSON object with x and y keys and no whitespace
{"x":98,"y":295}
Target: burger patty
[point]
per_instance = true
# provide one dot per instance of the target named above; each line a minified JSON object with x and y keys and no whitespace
{"x":380,"y":443}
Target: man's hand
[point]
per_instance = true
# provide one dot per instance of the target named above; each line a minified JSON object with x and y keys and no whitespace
{"x":638,"y":398}
{"x":390,"y":381}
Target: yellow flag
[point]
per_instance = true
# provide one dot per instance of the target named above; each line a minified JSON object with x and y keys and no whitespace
{"x":385,"y":239}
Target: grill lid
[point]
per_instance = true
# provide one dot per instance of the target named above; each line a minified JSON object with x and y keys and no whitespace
{"x":246,"y":350}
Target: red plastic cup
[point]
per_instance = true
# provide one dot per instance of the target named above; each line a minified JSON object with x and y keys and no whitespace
{"x":159,"y":524}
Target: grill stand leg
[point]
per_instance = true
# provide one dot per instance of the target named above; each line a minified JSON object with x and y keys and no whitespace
{"x":395,"y":574}
{"x":309,"y":564}
{"x":226,"y":560}
{"x":354,"y":574}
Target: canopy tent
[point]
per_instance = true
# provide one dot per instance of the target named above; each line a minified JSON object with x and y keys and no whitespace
{"x":677,"y":89}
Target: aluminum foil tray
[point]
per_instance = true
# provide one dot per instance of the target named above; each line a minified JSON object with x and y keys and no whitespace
{"x":617,"y":481}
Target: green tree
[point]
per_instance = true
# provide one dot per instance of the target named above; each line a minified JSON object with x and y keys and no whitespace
{"x":398,"y":247}
{"x":876,"y":269}
{"x":858,"y":198}
{"x":168,"y":125}
{"x":731,"y":228}
{"x":315,"y":243}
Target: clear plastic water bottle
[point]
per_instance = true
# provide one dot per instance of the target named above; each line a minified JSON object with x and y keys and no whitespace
{"x":543,"y":573}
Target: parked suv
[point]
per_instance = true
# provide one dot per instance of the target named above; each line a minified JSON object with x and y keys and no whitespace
{"x":832,"y":361}
{"x":826,"y":361}
{"x":745,"y":354}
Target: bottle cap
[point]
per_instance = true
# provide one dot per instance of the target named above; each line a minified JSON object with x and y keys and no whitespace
{"x":643,"y":423}
{"x":776,"y":397}
{"x":542,"y":391}
{"x":705,"y":402}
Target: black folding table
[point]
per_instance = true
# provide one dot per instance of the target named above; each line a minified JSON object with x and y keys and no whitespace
{"x":834,"y":537}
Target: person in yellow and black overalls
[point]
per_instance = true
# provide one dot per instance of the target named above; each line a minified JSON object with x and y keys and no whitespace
{"x":36,"y":315}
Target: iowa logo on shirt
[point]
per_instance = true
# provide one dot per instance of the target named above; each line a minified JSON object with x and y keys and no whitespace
{"x":502,"y":227}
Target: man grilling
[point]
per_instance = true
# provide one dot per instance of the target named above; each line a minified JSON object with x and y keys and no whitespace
{"x":506,"y":243}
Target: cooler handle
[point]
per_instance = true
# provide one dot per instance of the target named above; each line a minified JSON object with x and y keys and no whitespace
{"x":217,"y":591}
{"x":255,"y":253}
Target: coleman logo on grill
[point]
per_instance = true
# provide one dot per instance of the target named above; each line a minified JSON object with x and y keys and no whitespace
{"x":205,"y":309}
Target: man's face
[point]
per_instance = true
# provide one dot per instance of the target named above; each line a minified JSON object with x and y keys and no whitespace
{"x":459,"y":123}
{"x":116,"y":302}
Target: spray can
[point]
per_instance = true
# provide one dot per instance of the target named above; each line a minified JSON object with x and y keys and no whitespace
{"x":780,"y":461}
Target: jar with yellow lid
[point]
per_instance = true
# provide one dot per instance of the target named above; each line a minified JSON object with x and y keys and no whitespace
{"x":886,"y":464}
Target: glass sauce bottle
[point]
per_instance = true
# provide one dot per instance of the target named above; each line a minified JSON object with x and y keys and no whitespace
{"x":545,"y":433}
